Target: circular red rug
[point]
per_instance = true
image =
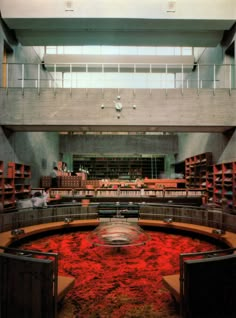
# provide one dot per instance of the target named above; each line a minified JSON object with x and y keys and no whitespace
{"x":125,"y":282}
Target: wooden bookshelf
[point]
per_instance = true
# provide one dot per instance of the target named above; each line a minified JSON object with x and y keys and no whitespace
{"x":27,"y":172}
{"x":61,"y":193}
{"x":1,"y":185}
{"x":80,"y":193}
{"x":164,"y":183}
{"x":46,"y":181}
{"x":16,"y":185}
{"x":8,"y":190}
{"x":21,"y":173}
{"x":127,"y":168}
{"x":224,"y":183}
{"x":1,"y":169}
{"x":210,"y":181}
{"x":15,"y":170}
{"x":234,"y":185}
{"x":196,"y":168}
{"x":106,"y":192}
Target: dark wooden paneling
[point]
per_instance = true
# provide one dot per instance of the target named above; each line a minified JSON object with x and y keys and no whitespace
{"x":210,"y":288}
{"x":26,"y":287}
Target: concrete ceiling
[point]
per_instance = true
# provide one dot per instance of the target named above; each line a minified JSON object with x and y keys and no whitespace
{"x":117,"y":32}
{"x":133,"y":23}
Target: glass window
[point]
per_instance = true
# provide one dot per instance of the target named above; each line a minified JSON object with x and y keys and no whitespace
{"x":128,"y":50}
{"x":72,"y":50}
{"x":110,"y":50}
{"x":142,"y":50}
{"x":60,"y":50}
{"x":187,"y":51}
{"x":91,"y":50}
{"x":119,"y":50}
{"x":177,"y":50}
{"x":114,"y":80}
{"x":51,"y":50}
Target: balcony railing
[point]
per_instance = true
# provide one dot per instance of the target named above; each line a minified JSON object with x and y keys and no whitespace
{"x":111,"y":75}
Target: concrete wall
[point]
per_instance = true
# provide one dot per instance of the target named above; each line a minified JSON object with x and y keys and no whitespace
{"x":155,"y":110}
{"x":197,"y":143}
{"x":118,"y":145}
{"x":222,"y":147}
{"x":124,"y":144}
{"x":224,"y":70}
{"x":229,"y":152}
{"x":39,"y":150}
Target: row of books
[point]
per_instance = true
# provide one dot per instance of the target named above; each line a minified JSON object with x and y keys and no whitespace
{"x":126,"y":193}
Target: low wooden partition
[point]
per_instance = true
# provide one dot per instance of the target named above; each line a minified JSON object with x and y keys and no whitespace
{"x":31,"y":287}
{"x":209,"y":287}
{"x":205,"y":287}
{"x":206,"y":284}
{"x":30,"y":284}
{"x":26,"y":287}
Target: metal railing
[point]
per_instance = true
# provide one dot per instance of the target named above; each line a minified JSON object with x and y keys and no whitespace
{"x":122,"y":75}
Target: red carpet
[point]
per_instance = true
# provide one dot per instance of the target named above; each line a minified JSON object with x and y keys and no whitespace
{"x":125,"y":283}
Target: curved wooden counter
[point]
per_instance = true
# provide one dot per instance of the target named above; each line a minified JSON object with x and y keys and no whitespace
{"x":229,"y":238}
{"x":6,"y":238}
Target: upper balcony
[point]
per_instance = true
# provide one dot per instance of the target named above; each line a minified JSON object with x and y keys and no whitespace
{"x":84,"y":97}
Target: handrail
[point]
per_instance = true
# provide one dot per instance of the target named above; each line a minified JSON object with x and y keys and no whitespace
{"x":123,"y":63}
{"x":148,"y":75}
